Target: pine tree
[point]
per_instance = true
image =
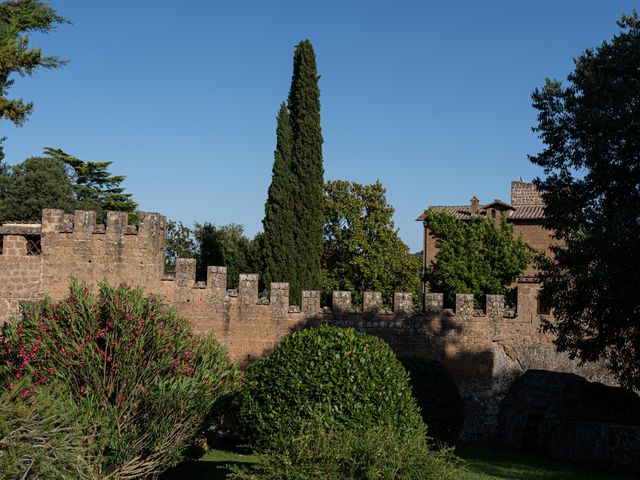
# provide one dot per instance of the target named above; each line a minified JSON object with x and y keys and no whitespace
{"x":304,"y":111}
{"x":278,"y":244}
{"x":18,"y":18}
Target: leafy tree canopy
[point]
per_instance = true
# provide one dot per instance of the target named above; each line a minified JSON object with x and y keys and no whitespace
{"x":226,"y":246}
{"x":94,"y":187}
{"x":19,"y":18}
{"x":179,"y":244}
{"x":591,"y":161}
{"x":476,"y":256}
{"x":362,"y":250}
{"x":63,"y":181}
{"x":35,"y":184}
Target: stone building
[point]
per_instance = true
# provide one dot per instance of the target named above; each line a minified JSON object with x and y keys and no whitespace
{"x":525,"y":212}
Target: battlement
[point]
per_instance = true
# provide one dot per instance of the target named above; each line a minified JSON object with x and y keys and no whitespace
{"x":84,"y":222}
{"x":480,"y":347}
{"x":341,"y":301}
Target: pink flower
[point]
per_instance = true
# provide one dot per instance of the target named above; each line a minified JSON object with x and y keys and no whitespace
{"x":82,"y":389}
{"x":121,"y":399}
{"x":25,"y":393}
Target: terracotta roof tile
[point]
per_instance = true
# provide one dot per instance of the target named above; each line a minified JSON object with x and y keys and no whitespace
{"x":463,"y":212}
{"x":526,"y":212}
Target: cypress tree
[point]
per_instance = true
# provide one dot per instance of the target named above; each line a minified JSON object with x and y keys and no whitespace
{"x":304,"y":112}
{"x":293,"y":223}
{"x":278,"y":246}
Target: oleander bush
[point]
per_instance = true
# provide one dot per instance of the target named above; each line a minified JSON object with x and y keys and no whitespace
{"x":127,"y":361}
{"x":379,"y":451}
{"x":43,"y":439}
{"x":351,"y":379}
{"x":438,"y":397}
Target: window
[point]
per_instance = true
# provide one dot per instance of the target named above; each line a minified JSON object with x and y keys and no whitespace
{"x":544,"y":303}
{"x":33,"y":245}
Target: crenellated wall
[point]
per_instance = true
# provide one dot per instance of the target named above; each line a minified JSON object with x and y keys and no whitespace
{"x":484,"y":350}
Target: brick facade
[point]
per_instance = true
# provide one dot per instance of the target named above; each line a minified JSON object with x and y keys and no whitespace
{"x":525,"y":213}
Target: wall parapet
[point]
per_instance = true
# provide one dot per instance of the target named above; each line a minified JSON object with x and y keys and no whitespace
{"x":478,"y":346}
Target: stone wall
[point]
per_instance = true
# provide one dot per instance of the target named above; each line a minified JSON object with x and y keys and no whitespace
{"x":524,"y":193}
{"x":484,"y":350}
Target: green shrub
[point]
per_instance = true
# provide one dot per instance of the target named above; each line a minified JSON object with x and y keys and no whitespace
{"x":45,"y":439}
{"x":130,"y":363}
{"x":350,"y":378}
{"x":438,"y":397}
{"x":382,"y":451}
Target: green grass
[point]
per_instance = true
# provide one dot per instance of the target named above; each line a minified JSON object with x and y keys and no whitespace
{"x":480,"y":464}
{"x":484,"y":464}
{"x":209,"y":467}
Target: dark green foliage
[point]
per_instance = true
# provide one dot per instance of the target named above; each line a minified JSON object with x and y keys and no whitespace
{"x":293,"y":213}
{"x":179,"y":244}
{"x":278,"y":247}
{"x":438,"y":397}
{"x":4,"y":171}
{"x":45,"y":439}
{"x":592,"y":192}
{"x":475,"y":256}
{"x":304,"y":109}
{"x":94,"y":188}
{"x":63,"y":181}
{"x":362,"y":250}
{"x":131,"y":365}
{"x":225,"y":246}
{"x":35,"y":184}
{"x":350,"y":378}
{"x":381,"y":451}
{"x":18,"y":18}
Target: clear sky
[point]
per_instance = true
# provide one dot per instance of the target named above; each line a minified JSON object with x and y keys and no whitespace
{"x":432,"y":98}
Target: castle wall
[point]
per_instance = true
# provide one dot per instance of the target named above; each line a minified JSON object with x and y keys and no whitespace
{"x":484,"y":350}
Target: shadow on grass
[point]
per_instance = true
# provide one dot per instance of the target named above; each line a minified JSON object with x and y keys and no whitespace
{"x":201,"y":470}
{"x":482,"y":464}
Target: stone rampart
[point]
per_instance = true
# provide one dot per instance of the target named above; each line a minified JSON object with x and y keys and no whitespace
{"x":484,"y":350}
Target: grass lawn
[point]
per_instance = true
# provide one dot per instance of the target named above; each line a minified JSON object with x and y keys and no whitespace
{"x":484,"y":464}
{"x":481,"y":464}
{"x":209,"y":467}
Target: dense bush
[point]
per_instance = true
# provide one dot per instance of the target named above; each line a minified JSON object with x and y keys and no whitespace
{"x":129,"y":363}
{"x":382,"y":451}
{"x":350,"y":378}
{"x":438,"y":397}
{"x":43,"y":439}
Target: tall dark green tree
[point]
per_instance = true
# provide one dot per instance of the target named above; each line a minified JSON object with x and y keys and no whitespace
{"x":278,"y":244}
{"x":591,"y":130}
{"x":18,"y":18}
{"x":304,"y":111}
{"x":293,"y":225}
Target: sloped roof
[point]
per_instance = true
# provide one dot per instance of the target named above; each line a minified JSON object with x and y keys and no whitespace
{"x":516,"y":212}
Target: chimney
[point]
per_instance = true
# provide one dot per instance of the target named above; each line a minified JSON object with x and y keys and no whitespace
{"x":475,"y":205}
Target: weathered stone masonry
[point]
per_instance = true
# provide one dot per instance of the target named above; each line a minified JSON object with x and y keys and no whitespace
{"x":484,"y":350}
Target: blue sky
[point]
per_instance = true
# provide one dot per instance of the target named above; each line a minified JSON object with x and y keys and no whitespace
{"x":432,"y":98}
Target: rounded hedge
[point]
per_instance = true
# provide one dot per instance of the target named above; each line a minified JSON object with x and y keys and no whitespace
{"x":346,"y":377}
{"x":438,"y":397}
